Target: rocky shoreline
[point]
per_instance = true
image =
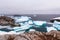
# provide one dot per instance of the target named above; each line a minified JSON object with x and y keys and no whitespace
{"x":5,"y":21}
{"x":34,"y":35}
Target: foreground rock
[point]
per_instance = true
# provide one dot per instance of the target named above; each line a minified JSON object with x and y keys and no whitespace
{"x":4,"y":21}
{"x":53,"y":35}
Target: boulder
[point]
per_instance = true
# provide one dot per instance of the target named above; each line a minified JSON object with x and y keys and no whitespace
{"x":4,"y":21}
{"x":33,"y":35}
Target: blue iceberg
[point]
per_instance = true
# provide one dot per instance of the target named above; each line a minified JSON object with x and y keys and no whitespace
{"x":40,"y":23}
{"x":56,"y":24}
{"x":22,"y":19}
{"x":22,"y":28}
{"x":50,"y":28}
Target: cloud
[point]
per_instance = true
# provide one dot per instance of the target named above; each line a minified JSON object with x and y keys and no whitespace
{"x":23,"y":5}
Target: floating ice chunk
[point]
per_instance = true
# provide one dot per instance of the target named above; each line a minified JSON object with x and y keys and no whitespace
{"x":11,"y":32}
{"x":22,"y":19}
{"x":56,"y":24}
{"x":32,"y":30}
{"x":24,"y":23}
{"x":18,"y":29}
{"x":22,"y":28}
{"x":4,"y":26}
{"x":2,"y":33}
{"x":50,"y":28}
{"x":40,"y":23}
{"x":21,"y":24}
{"x":30,"y":22}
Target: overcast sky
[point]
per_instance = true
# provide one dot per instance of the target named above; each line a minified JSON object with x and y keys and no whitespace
{"x":30,"y":6}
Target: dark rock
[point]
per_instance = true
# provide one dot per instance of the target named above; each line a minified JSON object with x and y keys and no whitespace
{"x":54,"y":20}
{"x":4,"y":21}
{"x":57,"y":19}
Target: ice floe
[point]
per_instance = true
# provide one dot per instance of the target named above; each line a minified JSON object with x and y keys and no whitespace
{"x":22,"y":19}
{"x":40,"y":23}
{"x":50,"y":28}
{"x":56,"y":24}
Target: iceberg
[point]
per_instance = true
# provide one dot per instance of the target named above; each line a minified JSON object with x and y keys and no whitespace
{"x":22,"y":19}
{"x":40,"y":23}
{"x":22,"y":28}
{"x":56,"y":24}
{"x":30,"y":22}
{"x":32,"y":30}
{"x":21,"y":24}
{"x":57,"y":19}
{"x":50,"y":29}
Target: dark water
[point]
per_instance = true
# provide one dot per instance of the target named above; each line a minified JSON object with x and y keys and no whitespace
{"x":42,"y":17}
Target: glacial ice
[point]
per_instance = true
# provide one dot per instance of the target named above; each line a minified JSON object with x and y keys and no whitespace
{"x":22,"y":19}
{"x":50,"y":28}
{"x":39,"y":23}
{"x":56,"y":24}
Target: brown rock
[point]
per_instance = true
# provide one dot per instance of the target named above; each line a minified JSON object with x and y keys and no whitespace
{"x":4,"y":21}
{"x":53,"y":35}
